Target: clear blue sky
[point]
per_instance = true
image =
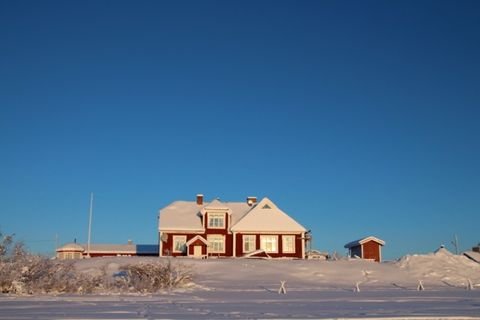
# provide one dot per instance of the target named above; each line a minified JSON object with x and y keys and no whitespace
{"x":356,"y":117}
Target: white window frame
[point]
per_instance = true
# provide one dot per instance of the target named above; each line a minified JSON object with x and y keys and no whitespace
{"x":176,"y":239}
{"x":247,"y":238}
{"x":284,"y":242}
{"x":263,"y":243}
{"x":216,"y":216}
{"x":216,"y":237}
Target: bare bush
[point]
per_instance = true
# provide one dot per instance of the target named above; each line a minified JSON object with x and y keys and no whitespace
{"x":152,"y":277}
{"x":24,"y":273}
{"x":5,"y":244}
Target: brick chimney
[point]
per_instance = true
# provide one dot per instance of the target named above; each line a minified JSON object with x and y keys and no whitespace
{"x":251,"y":201}
{"x":199,"y":199}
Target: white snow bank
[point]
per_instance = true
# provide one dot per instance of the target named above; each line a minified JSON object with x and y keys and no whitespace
{"x":440,"y":270}
{"x":442,"y":267}
{"x":248,"y":289}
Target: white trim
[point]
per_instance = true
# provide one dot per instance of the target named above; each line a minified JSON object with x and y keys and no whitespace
{"x":269,"y":236}
{"x":160,"y":245}
{"x":303,"y":245}
{"x":234,"y":245}
{"x":173,"y":243}
{"x":293,"y":243}
{"x":211,"y":215}
{"x":364,"y":240}
{"x":218,"y":236}
{"x":367,"y":239}
{"x":254,"y":242}
{"x":197,"y":237}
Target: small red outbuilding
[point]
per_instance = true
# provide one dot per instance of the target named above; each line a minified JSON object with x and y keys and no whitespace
{"x":367,"y":248}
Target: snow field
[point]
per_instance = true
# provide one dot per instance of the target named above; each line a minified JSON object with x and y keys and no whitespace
{"x":248,"y":289}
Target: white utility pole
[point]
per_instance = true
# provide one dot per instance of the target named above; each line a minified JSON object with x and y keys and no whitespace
{"x":455,"y":243}
{"x":90,"y":224}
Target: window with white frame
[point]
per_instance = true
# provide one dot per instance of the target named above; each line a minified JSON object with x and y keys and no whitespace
{"x":249,"y":242}
{"x":179,"y":243}
{"x":288,"y":244}
{"x":269,"y":243}
{"x":216,"y":243}
{"x":216,"y":220}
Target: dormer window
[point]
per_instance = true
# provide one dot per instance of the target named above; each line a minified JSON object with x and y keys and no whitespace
{"x":216,"y":220}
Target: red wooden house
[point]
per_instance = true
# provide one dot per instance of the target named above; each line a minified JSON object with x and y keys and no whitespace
{"x":229,"y":229}
{"x":366,"y":248}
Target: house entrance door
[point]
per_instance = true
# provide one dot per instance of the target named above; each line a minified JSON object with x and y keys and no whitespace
{"x":197,"y":251}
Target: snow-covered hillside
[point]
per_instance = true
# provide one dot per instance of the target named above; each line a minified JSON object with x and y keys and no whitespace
{"x":244,"y":288}
{"x":439,"y":270}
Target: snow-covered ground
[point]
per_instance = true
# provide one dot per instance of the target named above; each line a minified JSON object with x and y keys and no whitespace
{"x":241,"y":288}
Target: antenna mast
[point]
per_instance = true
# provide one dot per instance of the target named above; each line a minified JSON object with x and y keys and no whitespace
{"x":455,"y":243}
{"x":90,"y":224}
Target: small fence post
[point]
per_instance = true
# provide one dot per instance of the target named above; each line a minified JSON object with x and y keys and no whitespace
{"x":420,"y":286}
{"x":282,"y":289}
{"x":357,"y":287}
{"x":469,"y":284}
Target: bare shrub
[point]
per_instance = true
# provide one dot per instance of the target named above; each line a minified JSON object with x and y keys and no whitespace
{"x":5,"y":244}
{"x":152,"y":277}
{"x":25,"y":273}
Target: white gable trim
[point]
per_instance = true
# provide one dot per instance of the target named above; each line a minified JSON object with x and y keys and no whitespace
{"x":189,"y":242}
{"x":367,"y":239}
{"x":362,"y":241}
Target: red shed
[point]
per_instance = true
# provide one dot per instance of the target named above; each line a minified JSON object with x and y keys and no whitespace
{"x":366,"y":248}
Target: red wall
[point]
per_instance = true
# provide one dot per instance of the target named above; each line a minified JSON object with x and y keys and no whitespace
{"x":371,"y":250}
{"x":168,"y":245}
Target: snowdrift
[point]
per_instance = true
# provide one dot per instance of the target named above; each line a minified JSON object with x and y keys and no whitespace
{"x":248,"y":289}
{"x":439,"y":270}
{"x":442,"y":268}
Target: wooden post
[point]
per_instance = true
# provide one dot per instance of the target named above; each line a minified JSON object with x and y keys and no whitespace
{"x":469,"y":284}
{"x":357,"y":287}
{"x":420,"y":286}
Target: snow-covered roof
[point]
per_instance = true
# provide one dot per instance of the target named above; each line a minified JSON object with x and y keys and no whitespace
{"x":181,"y":215}
{"x":266,"y":216}
{"x":263,"y":216}
{"x":364,"y":240}
{"x":71,"y":247}
{"x":216,"y":205}
{"x":187,"y":215}
{"x":112,"y":248}
{"x":473,"y":255}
